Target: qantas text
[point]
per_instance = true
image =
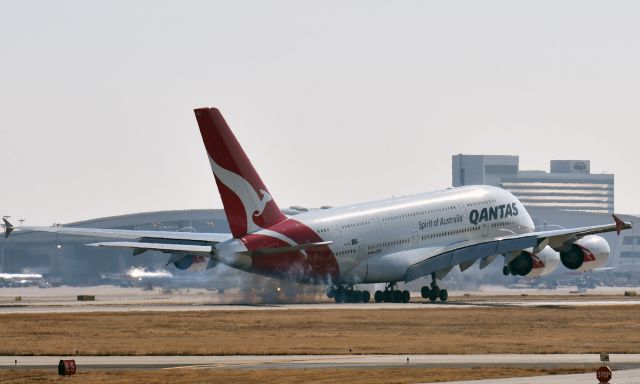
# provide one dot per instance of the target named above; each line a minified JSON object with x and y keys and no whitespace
{"x":493,"y":213}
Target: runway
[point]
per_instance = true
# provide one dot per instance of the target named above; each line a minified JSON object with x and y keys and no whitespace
{"x":159,"y":307}
{"x":618,"y":361}
{"x":116,"y":299}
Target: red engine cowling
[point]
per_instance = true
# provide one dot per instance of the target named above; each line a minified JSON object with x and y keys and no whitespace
{"x":534,"y":265}
{"x":586,"y":254}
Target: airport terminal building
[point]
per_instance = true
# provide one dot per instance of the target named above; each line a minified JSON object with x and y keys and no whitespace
{"x":569,"y":186}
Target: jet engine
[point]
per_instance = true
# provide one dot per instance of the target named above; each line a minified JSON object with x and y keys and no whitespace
{"x":191,"y":262}
{"x":534,"y":265}
{"x":586,"y":254}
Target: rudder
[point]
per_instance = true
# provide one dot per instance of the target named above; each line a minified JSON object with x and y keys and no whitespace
{"x":247,"y":203}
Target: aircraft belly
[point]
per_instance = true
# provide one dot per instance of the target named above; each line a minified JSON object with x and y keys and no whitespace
{"x":386,"y":268}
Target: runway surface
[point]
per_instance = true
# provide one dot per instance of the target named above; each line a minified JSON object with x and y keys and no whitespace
{"x":619,"y":361}
{"x":125,"y":307}
{"x":117,"y":299}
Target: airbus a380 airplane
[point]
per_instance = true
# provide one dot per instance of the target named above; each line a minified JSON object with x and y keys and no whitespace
{"x":388,"y":241}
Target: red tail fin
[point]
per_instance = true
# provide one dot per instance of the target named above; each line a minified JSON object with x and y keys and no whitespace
{"x":247,"y":202}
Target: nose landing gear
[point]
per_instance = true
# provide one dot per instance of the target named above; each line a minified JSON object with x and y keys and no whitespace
{"x":434,"y":293}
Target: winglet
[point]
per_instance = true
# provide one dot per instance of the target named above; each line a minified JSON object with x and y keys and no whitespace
{"x":620,"y":225}
{"x":8,"y":227}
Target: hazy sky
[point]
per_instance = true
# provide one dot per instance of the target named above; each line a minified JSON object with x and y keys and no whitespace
{"x":335,"y":102}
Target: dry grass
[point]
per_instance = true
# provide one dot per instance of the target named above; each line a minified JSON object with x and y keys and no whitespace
{"x":333,"y":331}
{"x":282,"y":376}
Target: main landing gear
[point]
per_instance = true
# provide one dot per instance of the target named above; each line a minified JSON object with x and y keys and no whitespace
{"x":392,"y":295}
{"x":347,"y":294}
{"x":435,"y":292}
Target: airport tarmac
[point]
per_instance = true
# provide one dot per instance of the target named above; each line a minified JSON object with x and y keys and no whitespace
{"x":116,"y":306}
{"x":618,"y":361}
{"x":117,"y":299}
{"x":127,"y":300}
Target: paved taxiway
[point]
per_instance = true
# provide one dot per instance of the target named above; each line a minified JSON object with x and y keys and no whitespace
{"x":625,"y":366}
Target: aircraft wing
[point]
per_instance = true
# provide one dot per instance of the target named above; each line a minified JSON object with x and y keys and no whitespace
{"x":469,"y":251}
{"x":124,"y":233}
{"x":162,"y":241}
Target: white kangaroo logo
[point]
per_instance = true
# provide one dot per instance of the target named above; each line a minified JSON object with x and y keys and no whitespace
{"x":254,"y":206}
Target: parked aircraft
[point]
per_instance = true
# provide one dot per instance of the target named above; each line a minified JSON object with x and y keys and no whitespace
{"x":388,"y":241}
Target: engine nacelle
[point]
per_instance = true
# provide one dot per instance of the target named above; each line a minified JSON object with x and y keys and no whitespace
{"x":190,"y":262}
{"x":586,"y":254}
{"x":534,"y":265}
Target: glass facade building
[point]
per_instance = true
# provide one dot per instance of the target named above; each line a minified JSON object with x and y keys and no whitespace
{"x":570,"y":186}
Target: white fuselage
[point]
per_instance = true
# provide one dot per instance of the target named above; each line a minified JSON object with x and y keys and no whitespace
{"x":373,"y":242}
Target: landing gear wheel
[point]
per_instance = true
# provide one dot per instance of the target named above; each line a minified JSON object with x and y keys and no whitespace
{"x":366,"y":296}
{"x":433,"y":295}
{"x":377,"y":296}
{"x":340,"y":296}
{"x":406,"y":296}
{"x":425,"y":292}
{"x":506,"y":270}
{"x":331,"y":293}
{"x":443,"y":295}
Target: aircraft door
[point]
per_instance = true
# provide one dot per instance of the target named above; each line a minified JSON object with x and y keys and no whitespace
{"x":361,"y":252}
{"x":376,"y":220}
{"x":485,"y":230}
{"x":415,"y":239}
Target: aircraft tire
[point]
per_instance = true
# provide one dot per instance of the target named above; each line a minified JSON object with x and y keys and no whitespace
{"x":331,"y":292}
{"x":406,"y":296}
{"x":433,"y":295}
{"x":377,"y":296}
{"x":443,"y":295}
{"x":387,"y":296}
{"x":366,"y":296}
{"x":340,"y":297}
{"x":425,"y":292}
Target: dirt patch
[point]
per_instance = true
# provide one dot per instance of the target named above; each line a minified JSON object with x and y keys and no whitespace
{"x":283,"y":376}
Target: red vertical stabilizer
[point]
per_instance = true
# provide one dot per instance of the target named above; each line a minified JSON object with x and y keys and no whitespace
{"x":247,"y":203}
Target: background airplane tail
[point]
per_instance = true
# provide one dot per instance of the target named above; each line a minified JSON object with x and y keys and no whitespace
{"x":247,"y":202}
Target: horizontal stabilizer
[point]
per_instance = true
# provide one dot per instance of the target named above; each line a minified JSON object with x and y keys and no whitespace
{"x":291,"y":248}
{"x":155,"y":247}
